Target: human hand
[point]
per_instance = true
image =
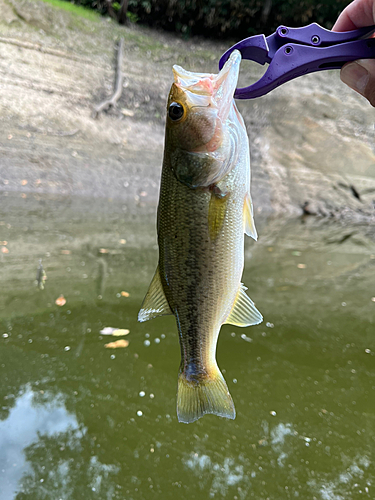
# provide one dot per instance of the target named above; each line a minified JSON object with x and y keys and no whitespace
{"x":359,"y":75}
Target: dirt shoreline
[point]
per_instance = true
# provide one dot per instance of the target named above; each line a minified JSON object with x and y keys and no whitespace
{"x":312,"y":140}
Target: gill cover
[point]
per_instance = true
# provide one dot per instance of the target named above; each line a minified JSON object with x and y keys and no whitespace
{"x":198,"y":140}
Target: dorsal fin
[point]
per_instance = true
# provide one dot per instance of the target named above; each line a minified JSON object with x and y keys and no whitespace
{"x":244,"y":312}
{"x":155,"y":302}
{"x":248,"y":217}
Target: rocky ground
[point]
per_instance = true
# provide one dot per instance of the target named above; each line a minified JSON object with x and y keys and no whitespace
{"x":312,"y":140}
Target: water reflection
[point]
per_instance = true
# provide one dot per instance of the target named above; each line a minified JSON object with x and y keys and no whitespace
{"x":350,"y":483}
{"x":93,"y":423}
{"x":42,"y":453}
{"x":220,"y":476}
{"x":29,"y":422}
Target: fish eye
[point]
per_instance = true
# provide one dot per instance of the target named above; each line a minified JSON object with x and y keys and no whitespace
{"x":176,"y":111}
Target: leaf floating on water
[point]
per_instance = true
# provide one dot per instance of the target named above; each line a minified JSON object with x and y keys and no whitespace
{"x":107,"y":330}
{"x":60,"y":301}
{"x":117,"y":344}
{"x":125,"y":294}
{"x":116,"y":332}
{"x":120,"y":333}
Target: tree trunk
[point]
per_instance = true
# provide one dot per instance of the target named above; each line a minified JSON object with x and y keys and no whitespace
{"x":266,"y":10}
{"x":122,"y":11}
{"x":111,"y":12}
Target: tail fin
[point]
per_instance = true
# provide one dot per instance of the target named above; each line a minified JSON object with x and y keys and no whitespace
{"x":209,"y":395}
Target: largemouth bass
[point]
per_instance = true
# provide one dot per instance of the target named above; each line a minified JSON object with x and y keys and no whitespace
{"x":204,"y":210}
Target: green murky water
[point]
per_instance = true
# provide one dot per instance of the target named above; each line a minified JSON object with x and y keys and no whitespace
{"x":78,"y":420}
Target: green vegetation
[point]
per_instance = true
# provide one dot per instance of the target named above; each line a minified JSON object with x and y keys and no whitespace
{"x":78,"y":10}
{"x":223,"y":18}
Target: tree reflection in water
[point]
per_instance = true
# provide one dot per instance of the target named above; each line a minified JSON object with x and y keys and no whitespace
{"x":41,"y":451}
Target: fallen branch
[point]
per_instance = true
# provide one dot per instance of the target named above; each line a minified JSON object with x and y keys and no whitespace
{"x":118,"y":86}
{"x":44,"y":50}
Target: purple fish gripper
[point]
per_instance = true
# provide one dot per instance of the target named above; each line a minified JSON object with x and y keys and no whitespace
{"x":293,"y":52}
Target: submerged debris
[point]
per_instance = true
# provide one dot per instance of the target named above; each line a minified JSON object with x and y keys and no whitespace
{"x":41,"y":276}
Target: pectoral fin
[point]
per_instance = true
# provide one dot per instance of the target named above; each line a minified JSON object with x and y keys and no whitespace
{"x":248,"y":218}
{"x":216,"y":214}
{"x":244,"y":312}
{"x":155,"y":302}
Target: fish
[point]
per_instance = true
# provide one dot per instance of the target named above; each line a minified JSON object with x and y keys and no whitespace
{"x":204,"y":210}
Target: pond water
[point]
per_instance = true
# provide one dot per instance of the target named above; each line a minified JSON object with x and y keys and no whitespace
{"x":78,"y":420}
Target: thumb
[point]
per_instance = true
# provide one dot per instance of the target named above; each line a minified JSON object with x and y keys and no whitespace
{"x":360,"y":76}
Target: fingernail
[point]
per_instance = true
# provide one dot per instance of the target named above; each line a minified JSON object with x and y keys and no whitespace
{"x":355,"y":75}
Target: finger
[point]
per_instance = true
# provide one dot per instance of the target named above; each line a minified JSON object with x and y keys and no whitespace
{"x":360,"y":76}
{"x":356,"y":15}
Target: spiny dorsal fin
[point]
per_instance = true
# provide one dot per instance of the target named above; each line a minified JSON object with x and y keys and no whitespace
{"x":244,"y":312}
{"x":248,"y":217}
{"x":155,"y":302}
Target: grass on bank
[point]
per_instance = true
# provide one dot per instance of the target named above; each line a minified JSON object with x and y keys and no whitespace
{"x":75,"y":9}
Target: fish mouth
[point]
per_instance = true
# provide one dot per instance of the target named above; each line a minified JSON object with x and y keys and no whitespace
{"x":208,"y":89}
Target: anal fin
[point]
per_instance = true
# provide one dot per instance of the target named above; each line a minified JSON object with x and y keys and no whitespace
{"x":244,"y":312}
{"x":155,"y":302}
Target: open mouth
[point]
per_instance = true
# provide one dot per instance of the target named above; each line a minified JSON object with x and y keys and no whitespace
{"x":218,"y":88}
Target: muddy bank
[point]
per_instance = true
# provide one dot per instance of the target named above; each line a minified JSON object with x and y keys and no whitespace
{"x":312,"y":141}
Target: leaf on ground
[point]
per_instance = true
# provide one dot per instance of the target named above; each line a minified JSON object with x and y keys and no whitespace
{"x":117,"y":344}
{"x":127,"y":112}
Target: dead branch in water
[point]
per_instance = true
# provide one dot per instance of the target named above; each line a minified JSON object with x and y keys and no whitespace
{"x":118,"y":86}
